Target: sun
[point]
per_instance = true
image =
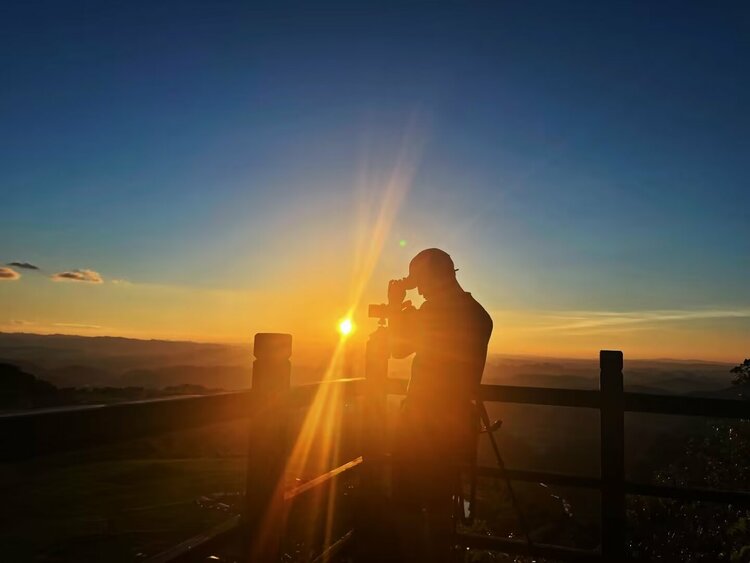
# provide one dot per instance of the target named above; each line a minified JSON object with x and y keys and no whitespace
{"x":346,"y":327}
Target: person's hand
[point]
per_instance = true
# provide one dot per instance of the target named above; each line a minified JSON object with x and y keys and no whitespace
{"x":396,"y":292}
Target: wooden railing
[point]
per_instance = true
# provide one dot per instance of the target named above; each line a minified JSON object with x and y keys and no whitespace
{"x":266,"y":407}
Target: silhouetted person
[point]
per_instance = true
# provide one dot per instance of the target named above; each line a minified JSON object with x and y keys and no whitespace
{"x":448,"y":336}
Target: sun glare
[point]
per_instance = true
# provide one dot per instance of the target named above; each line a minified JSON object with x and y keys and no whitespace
{"x":346,"y":326}
{"x":318,"y":441}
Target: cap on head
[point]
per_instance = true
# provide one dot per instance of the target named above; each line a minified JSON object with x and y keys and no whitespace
{"x":430,"y":264}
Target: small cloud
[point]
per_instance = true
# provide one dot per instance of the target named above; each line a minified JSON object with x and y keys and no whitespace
{"x":89,"y":276}
{"x":8,"y":274}
{"x":121,"y":282}
{"x":23,"y":265}
{"x":20,"y":322}
{"x":598,"y":322}
{"x":77,"y":325}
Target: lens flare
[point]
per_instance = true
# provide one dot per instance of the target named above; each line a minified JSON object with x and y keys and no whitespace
{"x":346,"y":326}
{"x":317,"y":447}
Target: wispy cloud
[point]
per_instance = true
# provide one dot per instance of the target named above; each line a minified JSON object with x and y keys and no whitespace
{"x":590,"y":322}
{"x":8,"y":274}
{"x":77,"y":325}
{"x":23,"y":265}
{"x":47,"y":326}
{"x":121,"y":282}
{"x":88,"y":276}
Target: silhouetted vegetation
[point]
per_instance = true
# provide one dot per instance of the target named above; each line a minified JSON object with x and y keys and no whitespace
{"x":716,"y":457}
{"x":742,"y":373}
{"x":21,"y":390}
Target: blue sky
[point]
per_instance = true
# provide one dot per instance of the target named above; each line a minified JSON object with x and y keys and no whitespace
{"x":588,"y":157}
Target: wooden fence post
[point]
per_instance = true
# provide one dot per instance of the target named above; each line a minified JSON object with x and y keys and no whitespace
{"x":267,"y":447}
{"x":372,"y":511}
{"x":612,"y":421}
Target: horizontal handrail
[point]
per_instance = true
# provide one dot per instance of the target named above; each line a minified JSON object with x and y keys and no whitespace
{"x":38,"y":432}
{"x":31,"y":434}
{"x":44,"y":431}
{"x":590,"y":398}
{"x":540,"y":396}
{"x":686,"y":406}
{"x":63,"y":411}
{"x":294,"y":492}
{"x":558,"y":397}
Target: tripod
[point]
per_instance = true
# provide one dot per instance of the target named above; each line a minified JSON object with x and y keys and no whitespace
{"x":489,"y":428}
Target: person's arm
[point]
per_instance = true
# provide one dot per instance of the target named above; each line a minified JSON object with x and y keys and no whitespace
{"x":402,"y":318}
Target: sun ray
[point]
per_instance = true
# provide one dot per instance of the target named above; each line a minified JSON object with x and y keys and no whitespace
{"x":321,"y":426}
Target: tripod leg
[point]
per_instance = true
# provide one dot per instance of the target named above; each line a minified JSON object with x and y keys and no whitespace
{"x":501,"y":465}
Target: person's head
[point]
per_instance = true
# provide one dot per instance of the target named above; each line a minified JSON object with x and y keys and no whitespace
{"x":432,"y":272}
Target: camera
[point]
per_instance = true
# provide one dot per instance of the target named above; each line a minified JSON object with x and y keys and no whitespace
{"x":382,"y":311}
{"x":379,"y":311}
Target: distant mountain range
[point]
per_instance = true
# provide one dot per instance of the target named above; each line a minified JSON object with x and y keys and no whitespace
{"x":81,"y":361}
{"x":647,"y":376}
{"x":78,"y":361}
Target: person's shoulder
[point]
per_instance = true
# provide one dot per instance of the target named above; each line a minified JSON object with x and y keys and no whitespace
{"x":472,"y":300}
{"x":477,"y":306}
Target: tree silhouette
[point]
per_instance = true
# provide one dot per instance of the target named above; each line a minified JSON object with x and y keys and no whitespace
{"x":743,"y":373}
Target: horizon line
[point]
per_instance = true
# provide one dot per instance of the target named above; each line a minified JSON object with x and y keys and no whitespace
{"x":507,"y":355}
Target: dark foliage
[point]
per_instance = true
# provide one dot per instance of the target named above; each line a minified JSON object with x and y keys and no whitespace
{"x":667,"y":530}
{"x":19,"y":389}
{"x":742,"y":373}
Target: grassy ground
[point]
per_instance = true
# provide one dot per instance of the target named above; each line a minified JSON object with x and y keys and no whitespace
{"x":116,"y":510}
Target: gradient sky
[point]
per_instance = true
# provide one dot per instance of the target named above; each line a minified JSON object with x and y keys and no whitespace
{"x":226,"y":169}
